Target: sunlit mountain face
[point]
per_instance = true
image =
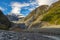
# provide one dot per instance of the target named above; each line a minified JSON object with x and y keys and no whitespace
{"x":23,"y":7}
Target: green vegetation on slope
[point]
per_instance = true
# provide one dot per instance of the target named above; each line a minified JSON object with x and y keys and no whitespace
{"x":53,"y":15}
{"x":34,"y":15}
{"x":37,"y":12}
{"x":44,"y":16}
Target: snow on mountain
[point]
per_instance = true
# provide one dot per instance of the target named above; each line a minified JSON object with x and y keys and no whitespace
{"x":15,"y":16}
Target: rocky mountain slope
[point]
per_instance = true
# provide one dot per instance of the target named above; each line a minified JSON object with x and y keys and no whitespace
{"x":44,"y":16}
{"x":53,"y":14}
{"x":33,"y":16}
{"x":4,"y":22}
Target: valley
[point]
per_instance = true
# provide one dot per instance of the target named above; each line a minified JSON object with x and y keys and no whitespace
{"x":43,"y":23}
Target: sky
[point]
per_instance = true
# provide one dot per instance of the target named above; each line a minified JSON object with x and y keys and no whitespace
{"x":22,"y":7}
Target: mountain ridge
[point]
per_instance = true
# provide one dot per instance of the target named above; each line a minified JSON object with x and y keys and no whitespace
{"x":5,"y":24}
{"x":42,"y":17}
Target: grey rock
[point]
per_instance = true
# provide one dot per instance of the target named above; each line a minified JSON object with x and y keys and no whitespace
{"x":10,"y":35}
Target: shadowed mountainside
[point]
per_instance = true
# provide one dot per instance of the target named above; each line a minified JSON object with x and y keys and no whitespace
{"x":5,"y":24}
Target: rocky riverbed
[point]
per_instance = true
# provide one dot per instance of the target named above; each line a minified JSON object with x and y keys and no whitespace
{"x":10,"y":35}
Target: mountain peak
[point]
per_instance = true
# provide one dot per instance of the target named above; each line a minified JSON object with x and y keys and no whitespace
{"x":44,"y":16}
{"x":15,"y":16}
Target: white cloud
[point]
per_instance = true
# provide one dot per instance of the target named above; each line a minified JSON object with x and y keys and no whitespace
{"x":41,"y":2}
{"x":34,"y":5}
{"x":16,"y":7}
{"x":2,"y":9}
{"x":34,"y":2}
{"x":48,"y":2}
{"x":31,"y":9}
{"x":17,"y":4}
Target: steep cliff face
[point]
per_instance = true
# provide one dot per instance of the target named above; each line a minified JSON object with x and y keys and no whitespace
{"x":4,"y":22}
{"x":44,"y":16}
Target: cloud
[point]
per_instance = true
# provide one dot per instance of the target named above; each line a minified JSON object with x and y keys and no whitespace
{"x":31,"y":9}
{"x":18,"y":4}
{"x":32,"y":5}
{"x":45,"y":2}
{"x":41,"y":2}
{"x":2,"y":9}
{"x":16,"y":7}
